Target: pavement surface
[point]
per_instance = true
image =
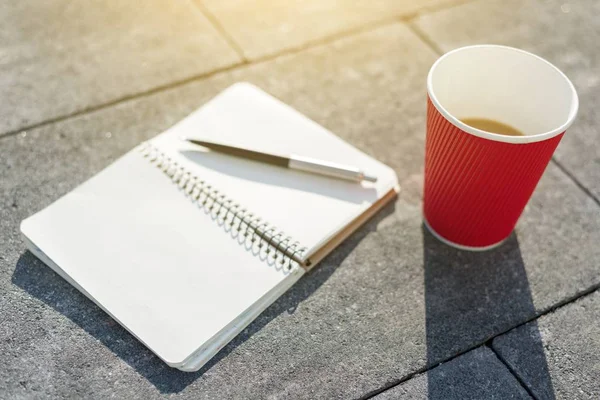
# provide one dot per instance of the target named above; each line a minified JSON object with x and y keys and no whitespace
{"x":392,"y":313}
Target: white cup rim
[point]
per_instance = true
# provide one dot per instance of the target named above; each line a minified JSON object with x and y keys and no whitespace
{"x":493,"y":136}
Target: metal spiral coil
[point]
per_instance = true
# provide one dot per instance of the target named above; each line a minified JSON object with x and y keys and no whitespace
{"x":263,"y":239}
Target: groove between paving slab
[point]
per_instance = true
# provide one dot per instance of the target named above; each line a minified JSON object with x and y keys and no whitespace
{"x":511,"y":370}
{"x":220,"y":28}
{"x":235,"y":66}
{"x":575,"y":180}
{"x":120,"y":100}
{"x":424,"y":37}
{"x":549,"y":310}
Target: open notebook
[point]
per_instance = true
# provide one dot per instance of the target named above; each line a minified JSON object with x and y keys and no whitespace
{"x":185,"y":247}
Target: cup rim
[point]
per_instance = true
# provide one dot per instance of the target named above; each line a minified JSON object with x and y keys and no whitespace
{"x":494,"y":136}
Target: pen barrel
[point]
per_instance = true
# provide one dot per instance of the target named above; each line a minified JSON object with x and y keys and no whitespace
{"x":320,"y":167}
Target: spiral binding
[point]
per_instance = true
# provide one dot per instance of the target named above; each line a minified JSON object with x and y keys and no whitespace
{"x":257,"y":235}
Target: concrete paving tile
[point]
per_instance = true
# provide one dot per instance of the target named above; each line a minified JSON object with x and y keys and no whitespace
{"x":58,"y":57}
{"x":263,"y":28}
{"x":565,"y":33}
{"x":477,"y":374}
{"x":385,"y":304}
{"x":569,"y":351}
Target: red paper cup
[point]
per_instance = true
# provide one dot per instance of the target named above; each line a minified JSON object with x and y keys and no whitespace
{"x":477,"y":183}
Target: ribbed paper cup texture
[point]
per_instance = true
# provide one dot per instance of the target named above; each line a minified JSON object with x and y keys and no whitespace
{"x":477,"y":183}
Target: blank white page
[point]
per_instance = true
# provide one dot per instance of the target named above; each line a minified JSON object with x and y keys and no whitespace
{"x":155,"y":261}
{"x":310,"y":208}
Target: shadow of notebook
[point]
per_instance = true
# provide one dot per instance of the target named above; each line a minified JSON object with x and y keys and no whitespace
{"x":179,"y":244}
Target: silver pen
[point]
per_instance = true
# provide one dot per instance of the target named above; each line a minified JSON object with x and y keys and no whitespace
{"x":291,"y":161}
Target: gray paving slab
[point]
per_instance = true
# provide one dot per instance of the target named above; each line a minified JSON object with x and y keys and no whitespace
{"x":477,"y":374}
{"x":263,"y":28}
{"x":58,"y":57}
{"x":565,"y":33}
{"x":385,"y":304}
{"x":570,"y":348}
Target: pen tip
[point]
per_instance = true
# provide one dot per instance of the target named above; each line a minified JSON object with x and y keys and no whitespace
{"x":185,"y":139}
